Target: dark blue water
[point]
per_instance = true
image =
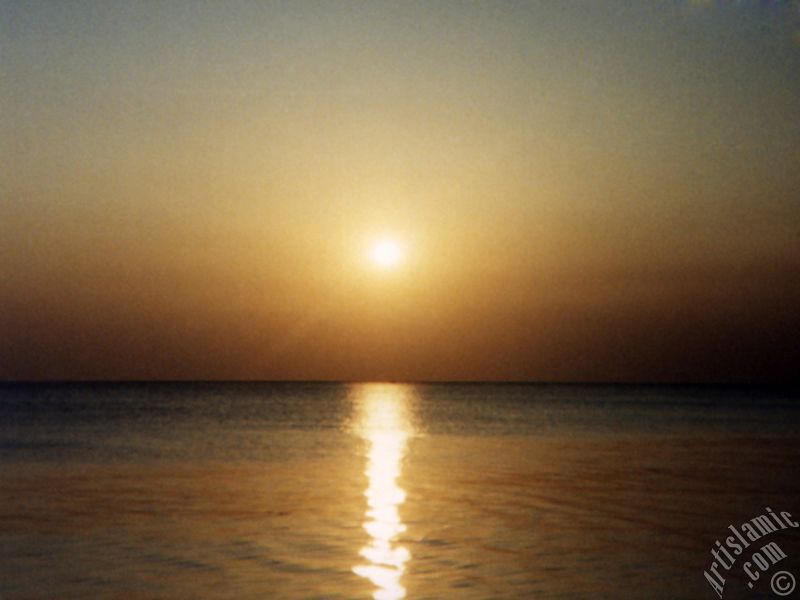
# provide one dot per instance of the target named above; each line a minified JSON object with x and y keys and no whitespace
{"x":254,"y":490}
{"x":100,"y":421}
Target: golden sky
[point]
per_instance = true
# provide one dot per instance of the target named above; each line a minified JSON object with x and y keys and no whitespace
{"x":597,"y":190}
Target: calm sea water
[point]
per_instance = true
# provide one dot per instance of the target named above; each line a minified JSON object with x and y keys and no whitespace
{"x":385,"y":491}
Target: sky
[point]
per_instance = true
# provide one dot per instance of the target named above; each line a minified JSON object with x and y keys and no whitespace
{"x":582,"y":191}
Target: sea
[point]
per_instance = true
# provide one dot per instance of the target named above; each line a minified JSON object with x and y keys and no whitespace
{"x":390,"y":491}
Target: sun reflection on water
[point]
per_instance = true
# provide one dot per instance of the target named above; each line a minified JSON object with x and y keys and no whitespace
{"x":384,"y":424}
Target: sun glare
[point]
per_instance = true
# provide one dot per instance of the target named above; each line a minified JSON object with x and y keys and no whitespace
{"x":384,"y":423}
{"x":387,"y":253}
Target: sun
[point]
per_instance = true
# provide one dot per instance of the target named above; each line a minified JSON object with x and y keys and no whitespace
{"x":386,"y":253}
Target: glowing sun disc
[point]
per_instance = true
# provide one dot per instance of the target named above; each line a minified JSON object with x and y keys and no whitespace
{"x":387,"y":253}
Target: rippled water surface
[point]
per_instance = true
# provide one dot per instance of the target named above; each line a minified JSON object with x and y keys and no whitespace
{"x":384,"y":491}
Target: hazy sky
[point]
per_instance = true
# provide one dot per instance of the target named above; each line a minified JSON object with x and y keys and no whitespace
{"x":597,"y":190}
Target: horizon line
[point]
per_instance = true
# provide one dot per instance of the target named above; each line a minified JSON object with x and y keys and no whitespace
{"x":532,"y":382}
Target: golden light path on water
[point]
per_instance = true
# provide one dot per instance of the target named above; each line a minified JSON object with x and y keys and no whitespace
{"x":384,"y":424}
